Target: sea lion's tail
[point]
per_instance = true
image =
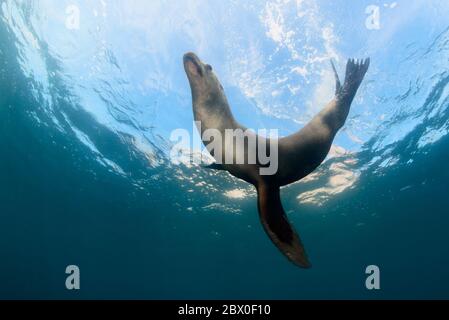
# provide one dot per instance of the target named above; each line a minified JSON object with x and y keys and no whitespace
{"x":277,"y":226}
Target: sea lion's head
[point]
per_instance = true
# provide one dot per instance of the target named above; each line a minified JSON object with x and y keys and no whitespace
{"x":204,"y":84}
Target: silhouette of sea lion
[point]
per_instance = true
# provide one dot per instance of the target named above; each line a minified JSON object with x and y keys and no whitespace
{"x":298,"y":155}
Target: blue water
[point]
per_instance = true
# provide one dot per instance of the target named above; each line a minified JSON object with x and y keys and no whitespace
{"x":86,"y":112}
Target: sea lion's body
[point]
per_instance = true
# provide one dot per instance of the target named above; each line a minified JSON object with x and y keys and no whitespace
{"x":298,"y":155}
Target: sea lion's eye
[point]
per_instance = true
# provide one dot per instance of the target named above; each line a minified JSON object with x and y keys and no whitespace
{"x":208,"y":67}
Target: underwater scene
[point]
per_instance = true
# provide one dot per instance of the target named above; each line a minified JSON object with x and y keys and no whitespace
{"x":92,"y":92}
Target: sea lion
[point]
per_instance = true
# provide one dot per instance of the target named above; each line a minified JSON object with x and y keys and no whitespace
{"x":298,"y":155}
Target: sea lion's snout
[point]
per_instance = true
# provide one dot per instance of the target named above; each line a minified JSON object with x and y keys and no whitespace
{"x":191,"y":56}
{"x":192,"y":64}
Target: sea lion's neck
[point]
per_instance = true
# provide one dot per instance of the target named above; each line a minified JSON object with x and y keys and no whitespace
{"x":213,"y":113}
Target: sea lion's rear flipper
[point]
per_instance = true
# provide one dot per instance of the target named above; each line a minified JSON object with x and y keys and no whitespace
{"x":355,"y":72}
{"x":277,"y":226}
{"x":337,"y":79}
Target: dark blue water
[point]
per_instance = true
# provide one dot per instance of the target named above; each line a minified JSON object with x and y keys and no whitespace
{"x":140,"y":227}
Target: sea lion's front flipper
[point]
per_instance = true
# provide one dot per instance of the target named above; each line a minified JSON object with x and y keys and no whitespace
{"x":215,"y":166}
{"x":277,"y":226}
